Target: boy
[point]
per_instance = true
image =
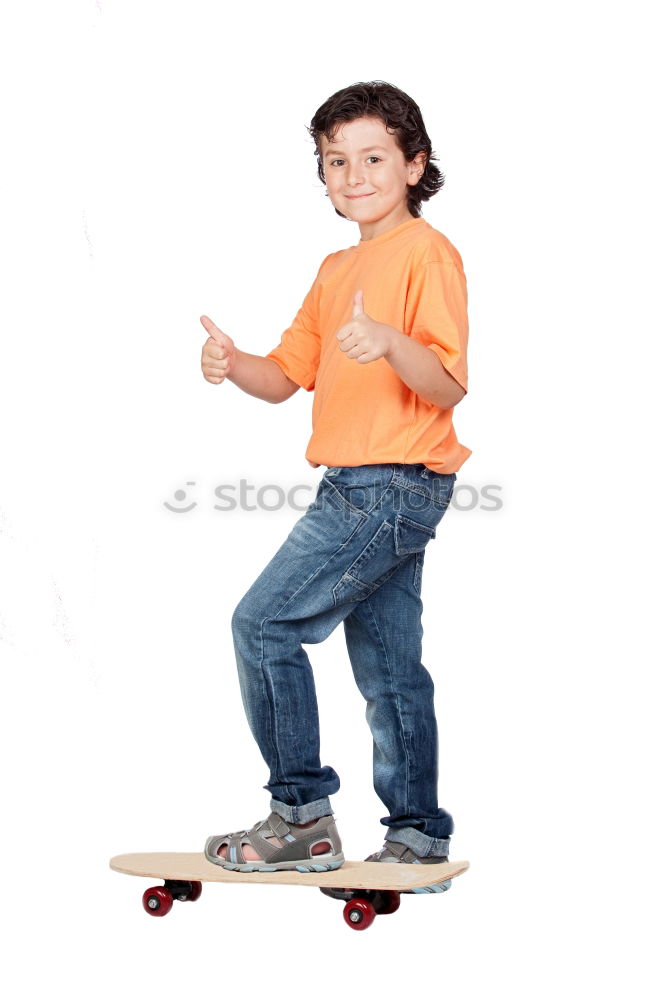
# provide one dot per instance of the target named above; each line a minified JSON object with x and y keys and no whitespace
{"x":381,"y":338}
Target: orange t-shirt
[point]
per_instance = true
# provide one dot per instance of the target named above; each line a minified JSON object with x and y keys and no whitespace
{"x":412,"y":278}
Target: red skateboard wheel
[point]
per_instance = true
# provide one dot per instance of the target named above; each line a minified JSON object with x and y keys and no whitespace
{"x":157,"y":901}
{"x":359,"y":913}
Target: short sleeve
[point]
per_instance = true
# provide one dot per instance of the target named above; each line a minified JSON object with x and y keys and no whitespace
{"x":298,"y":352}
{"x":436,"y":314}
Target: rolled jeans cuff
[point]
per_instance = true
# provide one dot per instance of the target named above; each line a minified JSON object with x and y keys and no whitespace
{"x":423,"y":846}
{"x":302,"y":814}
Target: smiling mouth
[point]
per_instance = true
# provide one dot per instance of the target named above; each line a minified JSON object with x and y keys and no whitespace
{"x":352,"y":197}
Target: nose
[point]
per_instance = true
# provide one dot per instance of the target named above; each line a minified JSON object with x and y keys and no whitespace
{"x":354,"y":174}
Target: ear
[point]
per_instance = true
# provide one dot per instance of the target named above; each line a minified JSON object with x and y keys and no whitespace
{"x":417,"y":167}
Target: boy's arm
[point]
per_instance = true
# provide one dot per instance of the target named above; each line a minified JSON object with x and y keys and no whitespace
{"x":261,"y":377}
{"x":421,"y":369}
{"x":431,"y":356}
{"x":418,"y":365}
{"x":436,"y":345}
{"x":254,"y":374}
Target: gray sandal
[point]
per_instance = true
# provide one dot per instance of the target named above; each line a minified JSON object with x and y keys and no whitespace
{"x":293,"y":854}
{"x":394,"y":853}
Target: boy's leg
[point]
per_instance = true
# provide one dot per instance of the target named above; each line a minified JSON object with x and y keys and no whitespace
{"x":293,"y":601}
{"x":350,"y":541}
{"x":383,"y":635}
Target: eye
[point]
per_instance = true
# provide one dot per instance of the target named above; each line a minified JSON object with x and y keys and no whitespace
{"x":377,"y":158}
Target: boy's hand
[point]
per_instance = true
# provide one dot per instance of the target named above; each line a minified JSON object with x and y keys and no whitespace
{"x":218,"y":353}
{"x":363,"y":339}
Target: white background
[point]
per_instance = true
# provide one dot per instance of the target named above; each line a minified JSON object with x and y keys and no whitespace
{"x":156,"y":166}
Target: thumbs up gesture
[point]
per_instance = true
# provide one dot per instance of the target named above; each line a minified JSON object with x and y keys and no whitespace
{"x":363,"y":339}
{"x":218,"y":353}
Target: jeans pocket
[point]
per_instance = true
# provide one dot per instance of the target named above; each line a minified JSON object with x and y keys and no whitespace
{"x":370,"y":569}
{"x":411,"y":536}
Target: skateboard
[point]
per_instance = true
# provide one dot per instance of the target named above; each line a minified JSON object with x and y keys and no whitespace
{"x":368,"y":887}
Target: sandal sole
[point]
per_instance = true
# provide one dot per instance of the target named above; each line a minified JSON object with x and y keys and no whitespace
{"x":258,"y":867}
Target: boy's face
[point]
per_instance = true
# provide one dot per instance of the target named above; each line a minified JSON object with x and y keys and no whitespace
{"x":367,"y":175}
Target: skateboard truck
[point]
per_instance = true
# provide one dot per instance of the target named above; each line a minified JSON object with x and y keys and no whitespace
{"x":160,"y":898}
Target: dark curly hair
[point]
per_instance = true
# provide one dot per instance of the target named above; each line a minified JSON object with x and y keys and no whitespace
{"x":400,"y":114}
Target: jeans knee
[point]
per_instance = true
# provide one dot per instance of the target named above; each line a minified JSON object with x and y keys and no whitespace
{"x":244,"y":619}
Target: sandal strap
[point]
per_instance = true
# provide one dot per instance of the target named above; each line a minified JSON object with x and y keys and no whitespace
{"x":257,"y":838}
{"x":394,"y":853}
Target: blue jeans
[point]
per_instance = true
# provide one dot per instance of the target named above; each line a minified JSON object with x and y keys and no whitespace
{"x":355,"y":556}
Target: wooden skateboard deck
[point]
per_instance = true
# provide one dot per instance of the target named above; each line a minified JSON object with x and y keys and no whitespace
{"x":369,"y":887}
